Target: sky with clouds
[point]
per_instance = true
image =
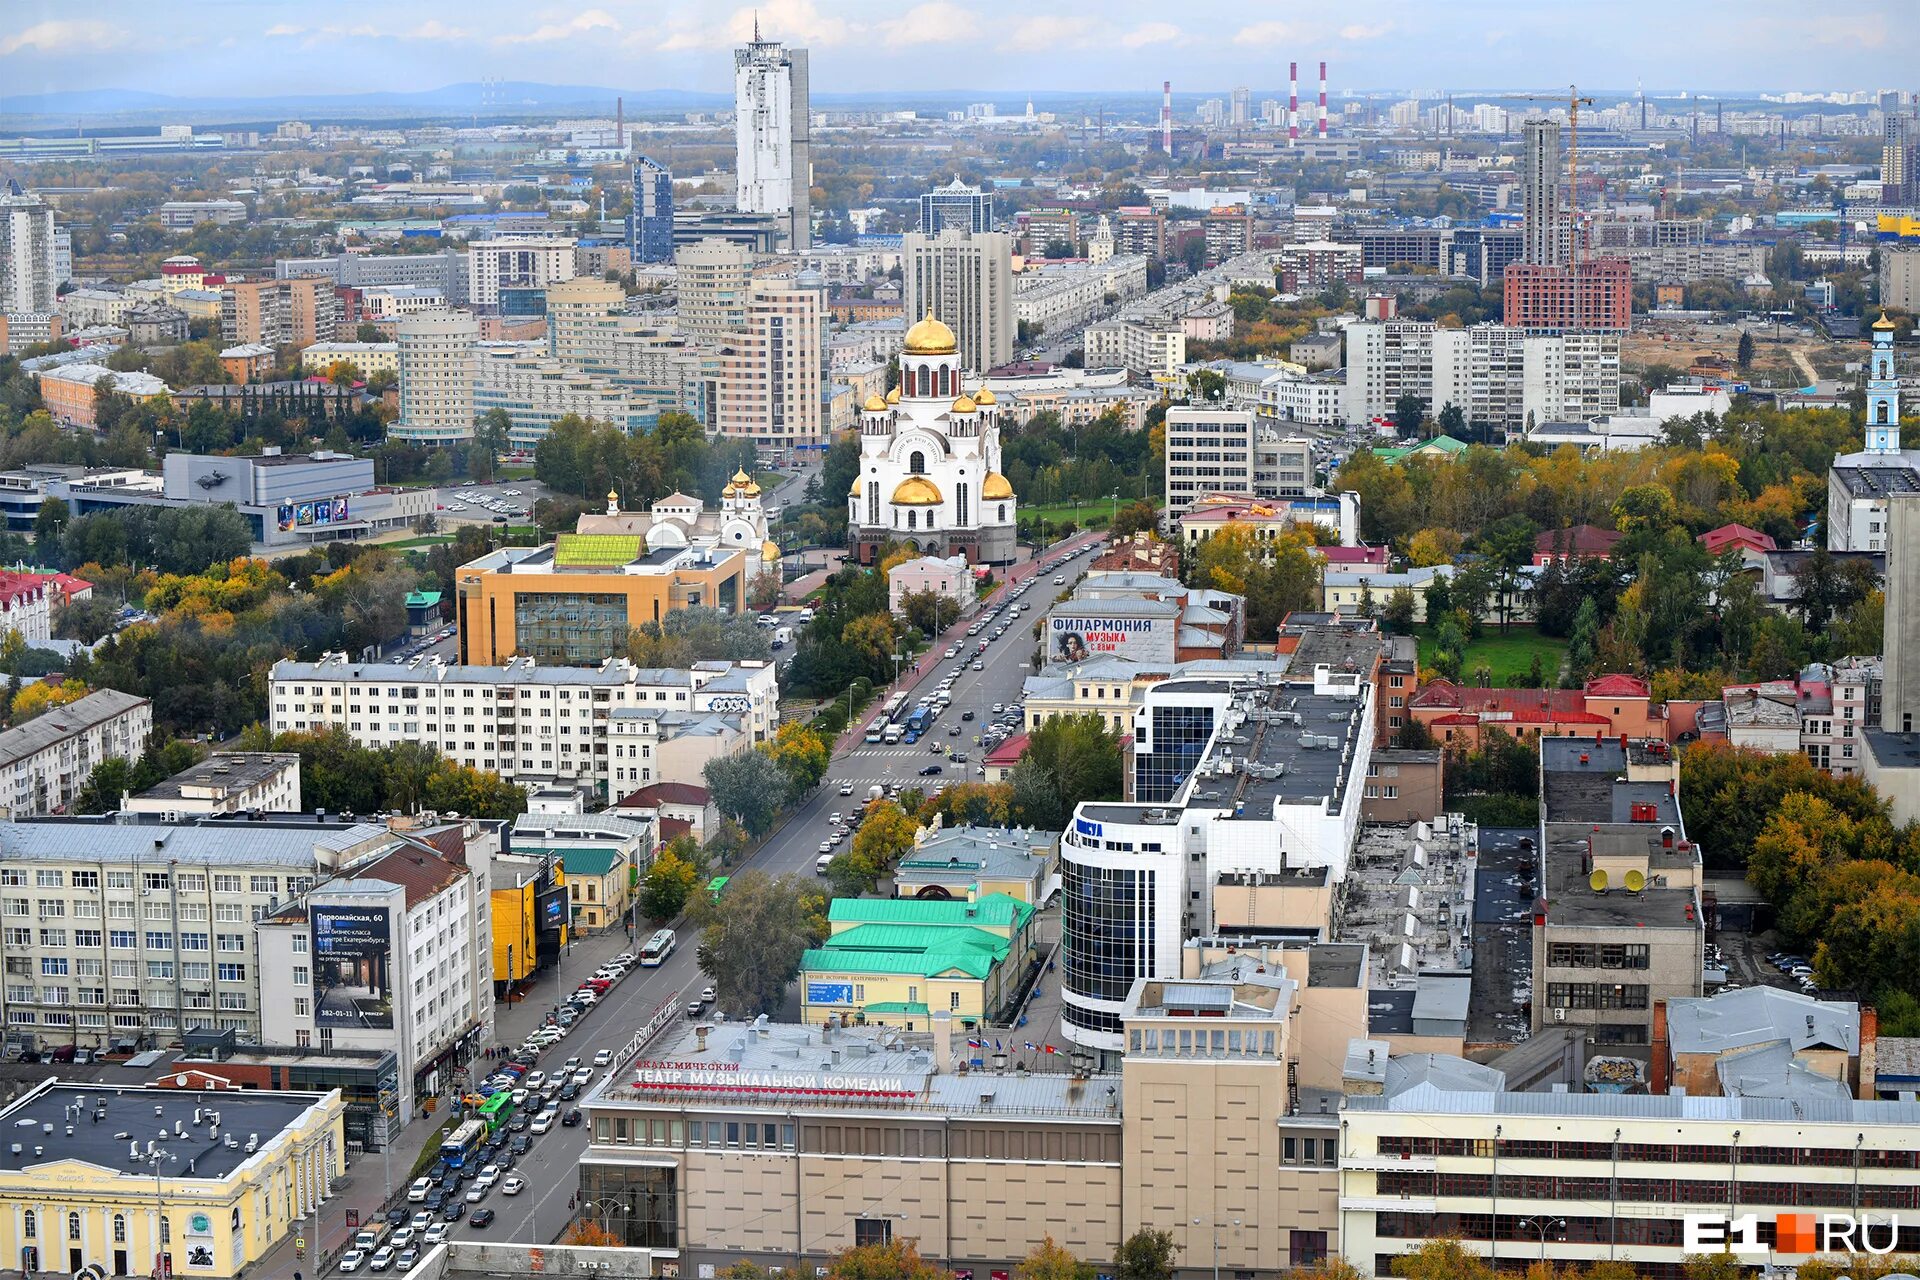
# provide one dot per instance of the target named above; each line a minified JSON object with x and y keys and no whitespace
{"x":256,"y":47}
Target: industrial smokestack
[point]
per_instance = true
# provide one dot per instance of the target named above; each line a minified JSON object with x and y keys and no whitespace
{"x":619,"y":124}
{"x":1293,"y":104}
{"x":1323,"y":102}
{"x":1166,"y":117}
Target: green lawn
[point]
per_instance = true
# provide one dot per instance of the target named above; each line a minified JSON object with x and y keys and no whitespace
{"x":429,"y":540}
{"x":1090,"y":513}
{"x":1504,"y":654}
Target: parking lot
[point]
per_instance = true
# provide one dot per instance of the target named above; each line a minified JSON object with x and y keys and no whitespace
{"x":503,"y":502}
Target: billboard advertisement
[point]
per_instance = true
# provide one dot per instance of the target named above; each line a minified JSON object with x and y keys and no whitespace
{"x":551,"y":911}
{"x":1072,"y":637}
{"x":324,"y":511}
{"x":352,"y":967}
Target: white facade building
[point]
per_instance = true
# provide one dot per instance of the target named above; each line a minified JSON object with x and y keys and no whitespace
{"x":772,"y":371}
{"x":1233,"y":775}
{"x":530,"y":263}
{"x":1063,"y":296}
{"x":28,"y":271}
{"x":536,"y":391}
{"x":438,"y":355}
{"x":1505,"y":377}
{"x":773,"y":131}
{"x":394,"y":952}
{"x":523,"y":721}
{"x":930,"y":461}
{"x":1150,"y":348}
{"x":949,"y":576}
{"x":45,"y":762}
{"x":1231,"y":451}
{"x":226,"y":782}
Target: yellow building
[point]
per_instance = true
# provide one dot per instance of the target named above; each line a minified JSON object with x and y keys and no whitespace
{"x":529,"y":900}
{"x":896,"y":960}
{"x":576,"y":599}
{"x":75,"y":1190}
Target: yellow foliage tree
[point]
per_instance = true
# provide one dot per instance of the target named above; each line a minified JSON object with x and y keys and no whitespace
{"x":43,"y":696}
{"x":1434,"y":546}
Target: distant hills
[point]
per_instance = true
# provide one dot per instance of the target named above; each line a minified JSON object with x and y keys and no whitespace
{"x":508,"y":97}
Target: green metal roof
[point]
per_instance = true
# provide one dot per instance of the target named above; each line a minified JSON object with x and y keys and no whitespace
{"x":422,"y":599}
{"x":925,"y":964}
{"x":1439,"y":444}
{"x":906,"y":937}
{"x":995,"y":910}
{"x":596,"y":550}
{"x":581,"y":862}
{"x":895,"y":1006}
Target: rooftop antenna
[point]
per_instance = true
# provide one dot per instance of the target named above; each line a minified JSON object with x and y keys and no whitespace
{"x":756,"y":26}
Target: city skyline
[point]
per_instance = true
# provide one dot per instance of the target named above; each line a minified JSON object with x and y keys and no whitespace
{"x":203,"y":47}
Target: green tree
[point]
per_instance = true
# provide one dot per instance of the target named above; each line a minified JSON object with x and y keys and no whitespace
{"x":1082,"y":756}
{"x":748,"y":787}
{"x":699,"y":634}
{"x":1147,"y":1254}
{"x":473,"y":793}
{"x":754,"y":936}
{"x":111,"y":779}
{"x":49,"y":521}
{"x":1743,"y":352}
{"x":1409,"y":411}
{"x":491,"y":438}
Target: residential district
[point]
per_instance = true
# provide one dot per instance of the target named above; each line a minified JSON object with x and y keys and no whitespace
{"x":1095,"y":686}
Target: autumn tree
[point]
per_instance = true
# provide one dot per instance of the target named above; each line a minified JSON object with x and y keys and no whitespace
{"x":886,"y":833}
{"x":898,"y":1260}
{"x":802,"y":755}
{"x":588,"y":1234}
{"x":1443,"y":1259}
{"x":668,"y":884}
{"x":1048,"y":1261}
{"x":1147,"y":1254}
{"x":43,"y":696}
{"x":753,"y":937}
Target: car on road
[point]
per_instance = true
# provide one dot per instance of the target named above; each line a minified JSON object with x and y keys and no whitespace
{"x":582,"y":1075}
{"x":846,"y":788}
{"x":436,"y":1234}
{"x":382,"y":1258}
{"x":968,"y":715}
{"x":455,"y":1210}
{"x":420,"y":1221}
{"x":418,"y":1191}
{"x":708,"y":993}
{"x":821,"y":863}
{"x":826,"y":846}
{"x":401,"y":1238}
{"x":519,"y":1123}
{"x":513,"y":1185}
{"x":407,"y":1258}
{"x":572,"y":1118}
{"x":978,"y":667}
{"x":603,"y":1057}
{"x":930,"y":770}
{"x":351,"y":1261}
{"x":520,"y":1145}
{"x":953,"y":730}
{"x":482,"y":1218}
{"x":543,"y":1122}
{"x":1058,"y":580}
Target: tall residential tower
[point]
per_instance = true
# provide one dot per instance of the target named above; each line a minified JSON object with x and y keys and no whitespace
{"x":772,"y":124}
{"x":650,"y":222}
{"x":1540,"y":192}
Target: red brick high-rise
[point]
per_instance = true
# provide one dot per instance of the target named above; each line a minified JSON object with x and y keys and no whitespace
{"x":1596,"y":294}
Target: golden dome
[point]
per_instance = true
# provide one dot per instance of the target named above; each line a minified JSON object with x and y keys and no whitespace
{"x":996,"y":487}
{"x":741,"y":486}
{"x":769,"y":552}
{"x":917,"y":491}
{"x":931,"y":338}
{"x":875,"y":404}
{"x":1883,"y":322}
{"x":893,"y":396}
{"x":964,"y":404}
{"x":984,"y":397}
{"x":854,"y":490}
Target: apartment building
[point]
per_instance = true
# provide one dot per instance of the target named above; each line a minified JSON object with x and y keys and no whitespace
{"x":1315,"y":265}
{"x":1061,"y":296}
{"x":125,"y":932}
{"x":535,"y":391}
{"x":368,"y":358}
{"x":712,"y":279}
{"x":772,"y":371}
{"x":45,"y":762}
{"x":438,"y":358}
{"x":524,"y":263}
{"x":392,"y":951}
{"x":1147,"y":348}
{"x":299,"y":312}
{"x":1822,"y":713}
{"x":1498,"y":375}
{"x":964,"y":280}
{"x":1231,"y":451}
{"x":524,"y":720}
{"x":1229,"y":233}
{"x":225,"y":782}
{"x":1140,"y":231}
{"x":1596,"y":293}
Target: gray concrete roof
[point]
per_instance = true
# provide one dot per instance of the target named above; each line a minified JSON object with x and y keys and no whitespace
{"x":1441,"y":1071}
{"x":239,"y":844}
{"x":36,"y":735}
{"x":42,"y":1118}
{"x":1761,"y":1015}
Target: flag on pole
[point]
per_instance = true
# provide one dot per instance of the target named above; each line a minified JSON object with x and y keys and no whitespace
{"x":1051,"y":1049}
{"x":1032,"y":1045}
{"x":973,"y":1044}
{"x":996,"y":1045}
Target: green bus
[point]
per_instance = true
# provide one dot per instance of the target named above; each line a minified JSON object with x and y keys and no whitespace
{"x":496,"y":1111}
{"x":717,"y":886}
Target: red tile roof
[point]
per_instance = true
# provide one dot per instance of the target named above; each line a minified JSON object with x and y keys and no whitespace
{"x":19,"y":586}
{"x":674,"y":828}
{"x":1445,"y":693}
{"x":660,"y":793}
{"x":1727,"y":535}
{"x":417,"y":870}
{"x":1617,"y":686}
{"x":1576,"y":540}
{"x":1353,"y":555}
{"x":1010,"y":751}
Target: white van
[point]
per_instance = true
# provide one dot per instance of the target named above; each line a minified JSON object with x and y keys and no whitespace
{"x":820,"y":864}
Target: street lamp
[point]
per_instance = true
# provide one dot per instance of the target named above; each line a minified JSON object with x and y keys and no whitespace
{"x":154,"y":1160}
{"x":1544,"y":1224}
{"x":1215,"y":1228}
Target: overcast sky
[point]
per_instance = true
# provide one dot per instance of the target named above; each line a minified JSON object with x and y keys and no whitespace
{"x":998,"y":47}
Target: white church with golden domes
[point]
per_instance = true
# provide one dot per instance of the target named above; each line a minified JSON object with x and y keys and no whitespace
{"x":930,"y":461}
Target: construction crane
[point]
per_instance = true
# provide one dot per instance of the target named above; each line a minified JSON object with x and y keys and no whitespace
{"x":1574,"y":102}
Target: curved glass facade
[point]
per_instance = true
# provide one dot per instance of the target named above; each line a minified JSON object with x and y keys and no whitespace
{"x":1178,"y":736}
{"x":1107,"y":931}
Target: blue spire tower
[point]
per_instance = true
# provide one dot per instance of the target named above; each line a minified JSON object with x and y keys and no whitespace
{"x":1883,"y":392}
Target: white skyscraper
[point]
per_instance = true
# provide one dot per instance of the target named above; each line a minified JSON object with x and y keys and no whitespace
{"x":965,"y":281}
{"x":773,"y":125}
{"x":28,"y":275}
{"x":438,"y":354}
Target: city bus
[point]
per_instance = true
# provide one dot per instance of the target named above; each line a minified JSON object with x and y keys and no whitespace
{"x":496,"y":1111}
{"x":658,"y":948}
{"x":464,"y":1143}
{"x":895,"y":707}
{"x":717,"y":886}
{"x":921,"y":720}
